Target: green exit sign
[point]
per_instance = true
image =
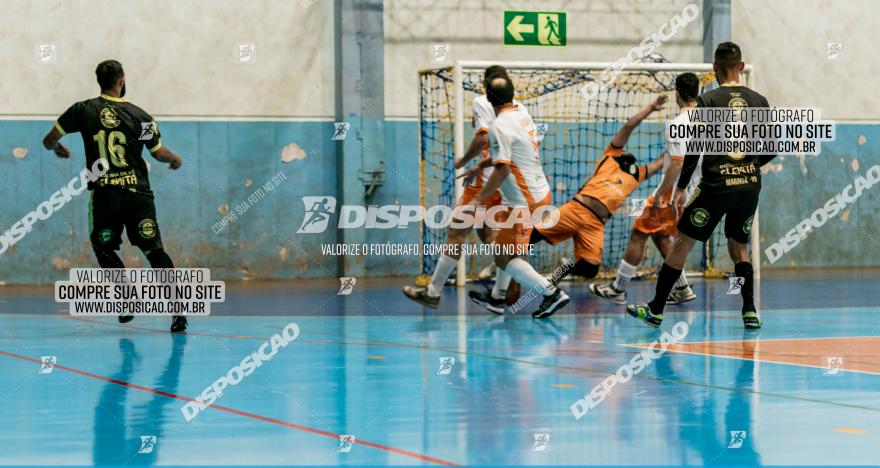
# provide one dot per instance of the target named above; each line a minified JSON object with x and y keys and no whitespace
{"x":534,"y":28}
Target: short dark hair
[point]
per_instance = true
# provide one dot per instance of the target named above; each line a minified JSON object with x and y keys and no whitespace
{"x":727,"y":55}
{"x":493,"y":71}
{"x":499,"y":91}
{"x":687,"y":85}
{"x":108,"y":73}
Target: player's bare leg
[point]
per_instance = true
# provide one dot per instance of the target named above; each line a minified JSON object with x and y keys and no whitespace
{"x":662,"y":242}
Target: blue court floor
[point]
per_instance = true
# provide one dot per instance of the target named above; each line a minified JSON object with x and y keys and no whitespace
{"x":374,"y":366}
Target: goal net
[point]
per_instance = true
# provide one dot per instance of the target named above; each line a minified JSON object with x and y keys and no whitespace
{"x":575,"y":132}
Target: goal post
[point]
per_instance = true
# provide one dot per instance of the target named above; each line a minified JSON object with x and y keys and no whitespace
{"x":577,"y":131}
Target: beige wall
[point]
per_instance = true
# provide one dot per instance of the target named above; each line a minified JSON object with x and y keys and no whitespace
{"x":598,"y":30}
{"x":787,"y":41}
{"x":179,"y":55}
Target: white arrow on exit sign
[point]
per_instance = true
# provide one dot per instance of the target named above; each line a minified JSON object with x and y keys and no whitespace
{"x":516,"y":28}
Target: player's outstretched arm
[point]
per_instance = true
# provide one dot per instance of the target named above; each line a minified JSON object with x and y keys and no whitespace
{"x":165,"y":155}
{"x":620,"y":139}
{"x":654,"y":167}
{"x":52,"y":141}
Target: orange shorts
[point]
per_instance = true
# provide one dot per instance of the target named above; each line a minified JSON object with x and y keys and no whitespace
{"x":518,"y":235}
{"x":579,"y":223}
{"x":470,"y":194}
{"x":657,"y":221}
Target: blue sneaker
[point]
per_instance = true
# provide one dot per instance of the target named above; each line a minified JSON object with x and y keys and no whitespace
{"x":643,"y":312}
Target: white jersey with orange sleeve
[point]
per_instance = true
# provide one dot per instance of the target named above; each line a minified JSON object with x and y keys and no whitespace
{"x":676,"y":149}
{"x":482,"y":116}
{"x":513,"y":140}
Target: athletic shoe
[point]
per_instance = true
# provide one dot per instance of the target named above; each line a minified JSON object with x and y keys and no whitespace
{"x":608,"y":292}
{"x":485,"y":299}
{"x":178,"y":323}
{"x":643,"y":313}
{"x":751,"y":319}
{"x":420,"y":295}
{"x":680,"y":295}
{"x":551,"y":304}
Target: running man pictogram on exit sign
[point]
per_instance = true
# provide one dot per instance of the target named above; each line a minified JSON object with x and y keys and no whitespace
{"x":534,"y":28}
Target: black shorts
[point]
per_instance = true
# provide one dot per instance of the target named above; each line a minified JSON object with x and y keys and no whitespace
{"x":112,"y":209}
{"x":706,"y":208}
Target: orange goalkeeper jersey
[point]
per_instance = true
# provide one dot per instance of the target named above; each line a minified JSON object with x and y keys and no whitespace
{"x":615,"y":178}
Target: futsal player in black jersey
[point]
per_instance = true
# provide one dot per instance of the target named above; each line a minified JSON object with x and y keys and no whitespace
{"x":729,"y":188}
{"x":117,"y":131}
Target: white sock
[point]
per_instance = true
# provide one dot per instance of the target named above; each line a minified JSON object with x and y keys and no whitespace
{"x":682,"y":281}
{"x":524,"y":274}
{"x":502,"y":281}
{"x":625,"y":272}
{"x":444,"y":268}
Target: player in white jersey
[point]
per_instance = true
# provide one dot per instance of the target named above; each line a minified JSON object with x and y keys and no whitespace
{"x":659,"y":219}
{"x":483,"y":115}
{"x":518,"y":174}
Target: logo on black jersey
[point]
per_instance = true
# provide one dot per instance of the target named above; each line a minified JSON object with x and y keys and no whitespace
{"x":109,"y":118}
{"x":737,"y":103}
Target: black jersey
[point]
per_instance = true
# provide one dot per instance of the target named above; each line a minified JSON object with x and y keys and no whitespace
{"x":115,"y":130}
{"x":734,"y":171}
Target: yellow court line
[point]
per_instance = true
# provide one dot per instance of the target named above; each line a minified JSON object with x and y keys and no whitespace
{"x":848,"y":430}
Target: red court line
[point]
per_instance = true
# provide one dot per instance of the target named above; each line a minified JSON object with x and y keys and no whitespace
{"x":246,"y":414}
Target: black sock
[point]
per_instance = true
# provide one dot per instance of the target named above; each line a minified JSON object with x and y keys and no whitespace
{"x":744,"y":271}
{"x":665,"y":282}
{"x":107,"y":258}
{"x":159,"y":259}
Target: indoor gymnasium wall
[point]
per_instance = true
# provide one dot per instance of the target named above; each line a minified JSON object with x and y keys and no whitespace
{"x":598,"y":31}
{"x":788,"y":43}
{"x":236,"y":126}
